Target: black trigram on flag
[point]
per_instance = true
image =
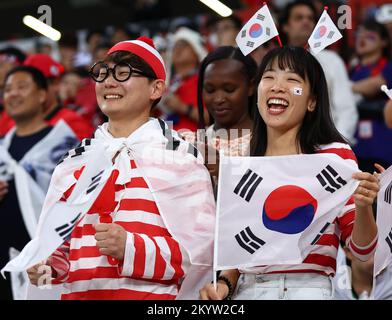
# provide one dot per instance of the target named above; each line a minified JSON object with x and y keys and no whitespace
{"x":94,"y":182}
{"x":260,"y":17}
{"x":248,"y":184}
{"x":317,"y":44}
{"x":388,"y":194}
{"x":247,"y":240}
{"x":267,"y":31}
{"x":65,"y":230}
{"x":389,"y":240}
{"x":250,"y":44}
{"x":320,"y":234}
{"x":330,"y":34}
{"x":243,"y":34}
{"x":330,"y":179}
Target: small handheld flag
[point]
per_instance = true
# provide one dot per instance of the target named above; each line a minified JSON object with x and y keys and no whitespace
{"x":387,"y":91}
{"x":258,"y":30}
{"x":324,"y":34}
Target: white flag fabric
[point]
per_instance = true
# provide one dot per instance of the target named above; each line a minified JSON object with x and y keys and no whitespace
{"x":324,"y":34}
{"x":173,"y":170}
{"x":387,"y":91}
{"x":271,"y":210}
{"x":383,"y":255}
{"x":258,"y":30}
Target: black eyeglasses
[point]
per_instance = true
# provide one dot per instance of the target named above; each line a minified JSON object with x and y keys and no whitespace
{"x":121,"y":71}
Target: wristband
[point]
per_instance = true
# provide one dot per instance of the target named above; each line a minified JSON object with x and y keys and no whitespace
{"x":229,"y":285}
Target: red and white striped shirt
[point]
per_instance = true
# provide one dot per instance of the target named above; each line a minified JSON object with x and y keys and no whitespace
{"x":322,"y":259}
{"x":154,"y":263}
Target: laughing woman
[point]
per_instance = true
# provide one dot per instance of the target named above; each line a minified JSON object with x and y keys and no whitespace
{"x":293,"y":117}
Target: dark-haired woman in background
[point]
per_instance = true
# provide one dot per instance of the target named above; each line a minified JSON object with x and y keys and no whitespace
{"x":293,"y":117}
{"x":226,"y":89}
{"x":373,"y":69}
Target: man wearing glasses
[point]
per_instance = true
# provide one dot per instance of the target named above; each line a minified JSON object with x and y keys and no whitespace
{"x":153,"y":219}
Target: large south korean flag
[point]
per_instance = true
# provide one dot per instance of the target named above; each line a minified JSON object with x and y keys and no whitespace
{"x":272,"y":210}
{"x":258,"y":30}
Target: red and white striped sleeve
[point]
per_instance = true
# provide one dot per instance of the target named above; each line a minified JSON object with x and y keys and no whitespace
{"x":346,"y":219}
{"x":59,"y":260}
{"x":153,"y":257}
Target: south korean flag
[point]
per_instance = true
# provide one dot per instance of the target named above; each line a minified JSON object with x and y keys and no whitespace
{"x":58,"y":220}
{"x":273,"y":210}
{"x":324,"y":34}
{"x":383,"y":255}
{"x":258,"y":30}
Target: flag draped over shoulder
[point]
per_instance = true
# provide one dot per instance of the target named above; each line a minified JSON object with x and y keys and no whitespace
{"x":33,"y":172}
{"x":173,"y":170}
{"x":272,"y":210}
{"x":324,"y":34}
{"x":258,"y":30}
{"x":383,"y":255}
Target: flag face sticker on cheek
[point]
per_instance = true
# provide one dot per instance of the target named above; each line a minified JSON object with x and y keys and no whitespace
{"x":297,"y":91}
{"x":273,"y":210}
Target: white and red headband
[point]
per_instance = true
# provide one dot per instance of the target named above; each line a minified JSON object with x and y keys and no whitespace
{"x":144,"y":48}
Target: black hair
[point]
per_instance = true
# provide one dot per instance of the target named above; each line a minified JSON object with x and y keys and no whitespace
{"x":286,"y":13}
{"x":136,"y":62}
{"x":317,"y":127}
{"x":225,"y":52}
{"x":12,"y":51}
{"x":373,"y":25}
{"x":38,"y":77}
{"x":238,"y":23}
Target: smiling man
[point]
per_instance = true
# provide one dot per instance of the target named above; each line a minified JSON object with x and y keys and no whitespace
{"x":134,"y":242}
{"x":28,"y":156}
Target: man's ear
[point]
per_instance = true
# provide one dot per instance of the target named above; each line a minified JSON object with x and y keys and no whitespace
{"x":42,"y":96}
{"x":158,"y":87}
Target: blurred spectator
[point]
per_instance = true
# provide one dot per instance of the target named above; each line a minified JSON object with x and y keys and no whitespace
{"x":373,"y":70}
{"x":297,"y":23}
{"x":224,"y":30}
{"x":68,"y":47}
{"x":9,"y":58}
{"x":36,"y":147}
{"x":100,"y":52}
{"x":53,"y":112}
{"x":120,"y":34}
{"x":77,"y":92}
{"x":180,"y":102}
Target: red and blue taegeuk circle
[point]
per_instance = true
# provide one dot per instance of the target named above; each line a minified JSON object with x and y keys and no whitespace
{"x":255,"y":30}
{"x":320,"y":32}
{"x":289,"y":209}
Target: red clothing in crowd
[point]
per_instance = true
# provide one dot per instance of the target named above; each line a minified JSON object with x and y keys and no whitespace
{"x":187,"y":93}
{"x":79,"y":125}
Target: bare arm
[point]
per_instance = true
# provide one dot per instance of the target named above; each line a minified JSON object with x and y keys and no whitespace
{"x":369,"y":87}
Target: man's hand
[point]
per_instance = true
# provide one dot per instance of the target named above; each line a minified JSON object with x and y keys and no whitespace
{"x":3,"y":189}
{"x":111,"y":239}
{"x":40,"y":270}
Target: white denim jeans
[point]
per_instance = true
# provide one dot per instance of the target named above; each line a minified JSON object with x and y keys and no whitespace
{"x":288,"y":286}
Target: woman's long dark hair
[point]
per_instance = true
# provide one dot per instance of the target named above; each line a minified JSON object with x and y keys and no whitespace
{"x":249,"y":69}
{"x":317,"y":127}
